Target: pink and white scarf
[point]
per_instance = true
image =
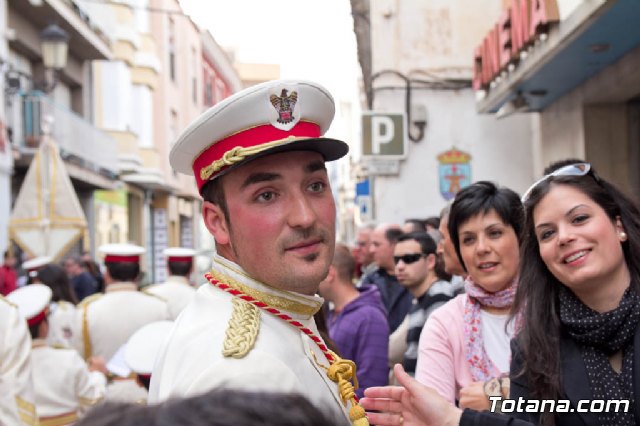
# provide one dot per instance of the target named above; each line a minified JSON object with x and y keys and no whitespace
{"x":482,"y":368}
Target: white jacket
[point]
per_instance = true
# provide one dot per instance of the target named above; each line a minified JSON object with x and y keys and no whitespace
{"x":16,"y":387}
{"x":63,"y":384}
{"x":105,"y":322}
{"x":176,"y":291}
{"x":282,"y":359}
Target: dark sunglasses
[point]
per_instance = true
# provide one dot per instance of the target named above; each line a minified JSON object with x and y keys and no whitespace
{"x":408,"y":259}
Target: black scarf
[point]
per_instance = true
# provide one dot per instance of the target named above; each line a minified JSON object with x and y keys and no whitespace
{"x":599,"y":336}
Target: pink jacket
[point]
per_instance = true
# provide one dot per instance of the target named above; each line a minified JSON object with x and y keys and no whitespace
{"x":442,"y":363}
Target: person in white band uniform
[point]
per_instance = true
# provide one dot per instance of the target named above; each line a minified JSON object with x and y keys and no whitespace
{"x":259,"y":161}
{"x":16,"y":387}
{"x":106,"y":321}
{"x":64,"y":386}
{"x":176,"y":290}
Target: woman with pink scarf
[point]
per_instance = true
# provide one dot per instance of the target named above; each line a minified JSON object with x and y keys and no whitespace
{"x":464,"y":350}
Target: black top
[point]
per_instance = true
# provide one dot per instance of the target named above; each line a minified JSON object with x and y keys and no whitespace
{"x":84,"y":285}
{"x":575,"y":384}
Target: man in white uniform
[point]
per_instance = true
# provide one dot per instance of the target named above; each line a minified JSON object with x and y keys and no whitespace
{"x":177,"y":290}
{"x":64,"y":387}
{"x":16,"y":388}
{"x":106,"y":321}
{"x":258,"y":159}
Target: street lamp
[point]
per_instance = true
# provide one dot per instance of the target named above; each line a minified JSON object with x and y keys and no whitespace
{"x":55,"y":43}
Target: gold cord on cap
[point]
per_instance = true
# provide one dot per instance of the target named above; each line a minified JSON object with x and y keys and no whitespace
{"x":238,"y":154}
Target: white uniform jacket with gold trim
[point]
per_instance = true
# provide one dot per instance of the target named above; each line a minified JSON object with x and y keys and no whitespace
{"x":62,"y":316}
{"x":176,"y":291}
{"x":16,"y":388}
{"x":64,"y":386}
{"x":105,"y":322}
{"x":283,"y":359}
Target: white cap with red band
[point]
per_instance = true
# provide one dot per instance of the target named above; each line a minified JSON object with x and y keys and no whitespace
{"x":143,"y":346}
{"x":179,"y":254}
{"x":36,"y":263}
{"x":32,"y":301}
{"x":276,"y":116}
{"x":121,"y":252}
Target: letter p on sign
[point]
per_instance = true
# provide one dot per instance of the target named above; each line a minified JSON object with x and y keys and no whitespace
{"x":382,"y":130}
{"x":383,"y":135}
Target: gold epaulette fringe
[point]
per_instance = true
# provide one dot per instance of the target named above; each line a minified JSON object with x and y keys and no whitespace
{"x":242,"y":329}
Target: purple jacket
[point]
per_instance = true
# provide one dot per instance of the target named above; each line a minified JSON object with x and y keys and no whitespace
{"x":361,"y":333}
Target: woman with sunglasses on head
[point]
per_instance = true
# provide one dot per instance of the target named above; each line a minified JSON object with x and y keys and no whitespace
{"x":580,"y":299}
{"x":464,"y":348}
{"x":578,"y":295}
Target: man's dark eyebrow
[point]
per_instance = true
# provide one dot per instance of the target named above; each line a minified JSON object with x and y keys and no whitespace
{"x":315,"y":166}
{"x":266,"y":177}
{"x":259,"y":177}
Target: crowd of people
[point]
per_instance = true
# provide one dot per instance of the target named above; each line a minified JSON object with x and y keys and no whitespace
{"x":574,"y":314}
{"x":436,"y":321}
{"x":72,"y":354}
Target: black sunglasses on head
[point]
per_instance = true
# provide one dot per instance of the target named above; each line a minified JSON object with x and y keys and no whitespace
{"x":407,"y":258}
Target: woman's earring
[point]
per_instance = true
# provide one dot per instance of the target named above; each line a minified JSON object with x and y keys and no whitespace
{"x":622,"y":235}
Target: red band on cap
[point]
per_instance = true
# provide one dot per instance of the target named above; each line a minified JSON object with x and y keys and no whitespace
{"x":145,"y":376}
{"x":118,"y":259}
{"x":38,"y":318}
{"x":179,"y":259}
{"x":249,"y":138}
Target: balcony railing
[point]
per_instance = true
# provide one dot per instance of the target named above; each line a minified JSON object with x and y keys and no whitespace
{"x":78,"y":139}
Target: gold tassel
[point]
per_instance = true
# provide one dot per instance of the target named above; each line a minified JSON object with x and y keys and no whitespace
{"x":341,"y":372}
{"x":358,"y":416}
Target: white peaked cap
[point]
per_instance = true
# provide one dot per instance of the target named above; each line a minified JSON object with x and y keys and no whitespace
{"x":32,"y":301}
{"x":143,"y":346}
{"x":121,"y":252}
{"x":178,"y":252}
{"x":36,"y":263}
{"x":272,"y":117}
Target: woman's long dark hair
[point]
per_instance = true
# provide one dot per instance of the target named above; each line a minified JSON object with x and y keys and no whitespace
{"x":538,"y":292}
{"x":55,"y":277}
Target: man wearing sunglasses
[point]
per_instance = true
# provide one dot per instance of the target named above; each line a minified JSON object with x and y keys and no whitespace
{"x":415,"y":258}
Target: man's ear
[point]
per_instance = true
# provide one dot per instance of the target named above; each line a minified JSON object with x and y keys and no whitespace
{"x":331,"y":274}
{"x":431,"y":261}
{"x":216,"y":222}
